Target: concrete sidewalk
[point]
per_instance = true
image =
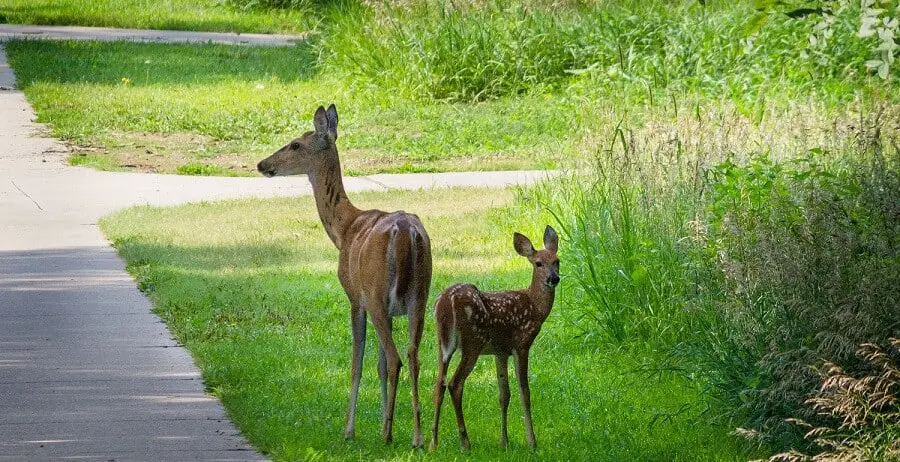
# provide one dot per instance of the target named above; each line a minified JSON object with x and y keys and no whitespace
{"x":86,"y":370}
{"x":104,"y":34}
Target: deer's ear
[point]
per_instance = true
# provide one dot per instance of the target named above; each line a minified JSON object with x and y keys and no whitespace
{"x":331,"y":115}
{"x":320,"y":121}
{"x":551,"y":240}
{"x":523,"y":245}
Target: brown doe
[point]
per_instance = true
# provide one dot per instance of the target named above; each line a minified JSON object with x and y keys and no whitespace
{"x":502,"y":324}
{"x":384,"y":264}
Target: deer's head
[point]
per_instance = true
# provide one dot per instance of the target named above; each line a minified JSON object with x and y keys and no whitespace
{"x":545,"y":261}
{"x":306,"y":154}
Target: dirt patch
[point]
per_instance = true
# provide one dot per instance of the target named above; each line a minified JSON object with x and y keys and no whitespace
{"x":166,"y":152}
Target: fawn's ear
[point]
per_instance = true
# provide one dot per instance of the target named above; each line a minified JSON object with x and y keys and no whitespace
{"x":332,"y":117}
{"x":523,"y":245}
{"x":551,"y":240}
{"x":320,"y":121}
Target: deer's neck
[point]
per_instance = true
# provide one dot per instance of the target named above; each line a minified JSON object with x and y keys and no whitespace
{"x":541,"y":296}
{"x":335,"y":209}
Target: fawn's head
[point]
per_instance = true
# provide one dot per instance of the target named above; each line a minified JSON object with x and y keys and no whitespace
{"x":306,"y":154}
{"x":545,"y":261}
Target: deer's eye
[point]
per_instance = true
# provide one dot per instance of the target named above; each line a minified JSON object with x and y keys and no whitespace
{"x":538,"y":264}
{"x":295,"y":145}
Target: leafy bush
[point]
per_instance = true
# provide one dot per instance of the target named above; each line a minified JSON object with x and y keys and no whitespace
{"x":810,"y":260}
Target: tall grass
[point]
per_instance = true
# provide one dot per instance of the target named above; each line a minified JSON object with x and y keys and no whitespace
{"x":449,"y":50}
{"x":747,"y":268}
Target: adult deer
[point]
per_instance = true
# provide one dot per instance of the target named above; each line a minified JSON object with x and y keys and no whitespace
{"x":384,"y":264}
{"x":502,"y":324}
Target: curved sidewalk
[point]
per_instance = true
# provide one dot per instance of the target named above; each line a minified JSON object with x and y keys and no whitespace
{"x":86,"y":370}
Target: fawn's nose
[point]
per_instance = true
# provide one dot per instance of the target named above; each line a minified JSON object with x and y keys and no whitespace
{"x":554,"y":279}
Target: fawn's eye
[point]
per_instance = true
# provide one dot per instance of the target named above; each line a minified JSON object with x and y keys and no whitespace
{"x":295,"y":145}
{"x":538,"y":264}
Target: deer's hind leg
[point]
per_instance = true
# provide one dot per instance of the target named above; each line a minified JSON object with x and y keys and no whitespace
{"x":416,"y":308}
{"x":381,"y":322}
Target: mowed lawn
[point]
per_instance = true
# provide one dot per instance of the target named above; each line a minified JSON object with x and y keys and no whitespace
{"x":256,"y":300}
{"x":201,"y":15}
{"x":217,"y":110}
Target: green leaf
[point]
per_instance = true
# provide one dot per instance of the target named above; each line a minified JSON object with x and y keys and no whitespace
{"x":639,"y":274}
{"x":756,"y":23}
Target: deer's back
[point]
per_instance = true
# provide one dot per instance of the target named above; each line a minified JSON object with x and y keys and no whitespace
{"x":385,"y":255}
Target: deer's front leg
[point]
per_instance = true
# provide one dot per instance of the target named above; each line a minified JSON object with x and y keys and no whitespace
{"x":358,"y":328}
{"x":525,"y":394}
{"x":502,"y":362}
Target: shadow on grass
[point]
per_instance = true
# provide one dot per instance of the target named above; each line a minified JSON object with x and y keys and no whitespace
{"x":149,"y":64}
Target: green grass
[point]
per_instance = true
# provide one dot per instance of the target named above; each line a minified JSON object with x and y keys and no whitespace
{"x":259,"y":306}
{"x":154,"y":107}
{"x":196,"y":15}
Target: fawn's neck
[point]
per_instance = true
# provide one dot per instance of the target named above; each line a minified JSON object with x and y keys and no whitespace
{"x":335,"y":209}
{"x":541,"y":296}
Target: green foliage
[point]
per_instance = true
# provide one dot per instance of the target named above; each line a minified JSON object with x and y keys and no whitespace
{"x":437,"y":50}
{"x":747,"y":272}
{"x":779,"y":261}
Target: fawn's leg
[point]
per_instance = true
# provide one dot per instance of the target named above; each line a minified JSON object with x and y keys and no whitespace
{"x":466,"y":365}
{"x":502,"y":363}
{"x":440,"y":384}
{"x":525,"y":395}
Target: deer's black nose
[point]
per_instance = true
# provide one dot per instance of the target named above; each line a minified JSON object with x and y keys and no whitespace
{"x":554,"y":280}
{"x":266,"y":171}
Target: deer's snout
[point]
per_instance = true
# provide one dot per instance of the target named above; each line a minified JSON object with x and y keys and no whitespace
{"x":265,"y":169}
